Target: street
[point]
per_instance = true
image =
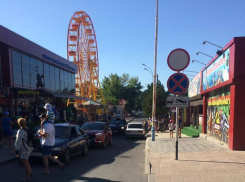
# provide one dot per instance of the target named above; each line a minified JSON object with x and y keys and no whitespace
{"x":123,"y":161}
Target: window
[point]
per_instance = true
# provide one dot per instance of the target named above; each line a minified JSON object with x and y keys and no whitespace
{"x":33,"y":72}
{"x":57,"y":77}
{"x":73,"y":131}
{"x":17,"y":71}
{"x":46,"y":76}
{"x":26,"y":70}
{"x":62,"y":85}
{"x":52,"y":78}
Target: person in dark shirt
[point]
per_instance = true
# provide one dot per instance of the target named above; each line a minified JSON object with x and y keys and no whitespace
{"x":6,"y":124}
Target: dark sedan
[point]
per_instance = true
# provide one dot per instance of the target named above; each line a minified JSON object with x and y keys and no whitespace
{"x":118,"y":126}
{"x":69,"y":140}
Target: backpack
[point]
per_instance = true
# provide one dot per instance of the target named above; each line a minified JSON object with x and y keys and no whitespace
{"x":32,"y":139}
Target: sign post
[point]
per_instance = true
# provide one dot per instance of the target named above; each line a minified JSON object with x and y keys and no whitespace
{"x":178,"y":83}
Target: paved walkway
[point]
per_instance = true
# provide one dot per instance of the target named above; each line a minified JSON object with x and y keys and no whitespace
{"x":199,"y":160}
{"x":5,"y":155}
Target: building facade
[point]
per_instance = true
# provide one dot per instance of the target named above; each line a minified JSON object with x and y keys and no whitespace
{"x":220,"y":86}
{"x":31,"y":75}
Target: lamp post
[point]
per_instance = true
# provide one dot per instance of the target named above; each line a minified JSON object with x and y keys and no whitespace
{"x":190,"y":71}
{"x":154,"y":77}
{"x":219,"y":52}
{"x":204,"y":54}
{"x":198,"y":62}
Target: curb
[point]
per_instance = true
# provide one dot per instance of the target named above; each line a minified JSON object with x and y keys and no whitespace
{"x":8,"y":161}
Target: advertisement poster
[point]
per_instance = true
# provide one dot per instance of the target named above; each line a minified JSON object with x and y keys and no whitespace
{"x":217,"y":72}
{"x":218,"y":116}
{"x":195,"y":86}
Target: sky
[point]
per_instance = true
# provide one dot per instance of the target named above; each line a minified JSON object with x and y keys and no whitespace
{"x":125,"y":30}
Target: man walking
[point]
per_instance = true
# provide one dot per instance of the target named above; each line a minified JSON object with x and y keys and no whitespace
{"x":48,"y":141}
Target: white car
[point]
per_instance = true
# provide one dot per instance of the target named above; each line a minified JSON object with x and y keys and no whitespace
{"x":135,"y":129}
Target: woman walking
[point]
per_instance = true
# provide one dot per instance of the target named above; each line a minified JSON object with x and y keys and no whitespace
{"x":171,"y":128}
{"x":23,"y":148}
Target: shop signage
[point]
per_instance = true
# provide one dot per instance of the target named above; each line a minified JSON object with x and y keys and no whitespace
{"x":28,"y":92}
{"x":58,"y":62}
{"x":217,"y":72}
{"x":177,"y":101}
{"x":218,"y":101}
{"x":195,"y":86}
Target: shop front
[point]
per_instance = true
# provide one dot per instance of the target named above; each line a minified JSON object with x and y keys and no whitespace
{"x":222,"y":92}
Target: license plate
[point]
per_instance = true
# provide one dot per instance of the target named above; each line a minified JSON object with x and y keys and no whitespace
{"x":36,"y":154}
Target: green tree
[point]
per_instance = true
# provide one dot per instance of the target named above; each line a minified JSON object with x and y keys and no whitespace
{"x":160,"y":100}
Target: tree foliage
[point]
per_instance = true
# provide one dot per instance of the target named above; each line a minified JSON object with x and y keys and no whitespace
{"x":117,"y":87}
{"x":147,"y":96}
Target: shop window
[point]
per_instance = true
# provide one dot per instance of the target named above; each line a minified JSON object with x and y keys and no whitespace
{"x":15,"y":54}
{"x":18,"y":79}
{"x":17,"y":62}
{"x":17,"y":70}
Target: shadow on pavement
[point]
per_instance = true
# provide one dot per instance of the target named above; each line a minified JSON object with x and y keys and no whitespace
{"x":221,"y":162}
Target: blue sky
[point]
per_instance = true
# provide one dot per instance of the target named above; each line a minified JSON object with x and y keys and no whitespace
{"x":125,"y":29}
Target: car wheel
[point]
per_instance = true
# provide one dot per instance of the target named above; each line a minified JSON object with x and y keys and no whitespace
{"x":67,"y":156}
{"x":85,"y":150}
{"x":110,"y":142}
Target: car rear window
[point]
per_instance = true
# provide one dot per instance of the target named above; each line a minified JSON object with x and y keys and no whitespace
{"x":135,"y":126}
{"x":93,"y":126}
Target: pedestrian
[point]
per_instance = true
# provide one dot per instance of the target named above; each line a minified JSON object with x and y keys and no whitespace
{"x":180,"y":125}
{"x":22,"y":148}
{"x":48,"y":141}
{"x":171,"y":128}
{"x":145,"y":126}
{"x":6,"y":124}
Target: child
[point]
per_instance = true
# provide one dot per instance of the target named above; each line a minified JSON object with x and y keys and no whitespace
{"x":171,"y":128}
{"x":50,"y":117}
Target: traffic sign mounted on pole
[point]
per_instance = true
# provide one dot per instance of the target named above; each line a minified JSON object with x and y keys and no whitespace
{"x":177,"y":101}
{"x":178,"y":84}
{"x":178,"y":59}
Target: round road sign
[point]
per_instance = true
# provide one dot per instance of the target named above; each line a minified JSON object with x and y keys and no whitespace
{"x":178,"y":59}
{"x":178,"y":84}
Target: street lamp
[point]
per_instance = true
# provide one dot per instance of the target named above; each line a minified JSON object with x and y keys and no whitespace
{"x":204,"y":54}
{"x":190,"y":75}
{"x":198,"y":62}
{"x":148,"y":68}
{"x":190,"y":71}
{"x":219,"y":52}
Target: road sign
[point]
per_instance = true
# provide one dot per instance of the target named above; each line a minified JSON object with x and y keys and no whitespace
{"x":177,"y":101}
{"x":178,"y":59}
{"x":178,"y":84}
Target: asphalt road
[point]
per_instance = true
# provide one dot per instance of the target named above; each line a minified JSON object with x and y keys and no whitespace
{"x":123,"y":161}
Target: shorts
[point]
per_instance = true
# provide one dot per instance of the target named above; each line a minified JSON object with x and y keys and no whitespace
{"x":46,"y":150}
{"x":171,"y":130}
{"x":7,"y":132}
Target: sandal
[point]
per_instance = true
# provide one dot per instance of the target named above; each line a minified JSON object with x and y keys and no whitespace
{"x":62,"y":168}
{"x":44,"y":172}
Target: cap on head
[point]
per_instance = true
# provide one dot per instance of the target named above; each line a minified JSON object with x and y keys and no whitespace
{"x":47,"y":106}
{"x":6,"y":113}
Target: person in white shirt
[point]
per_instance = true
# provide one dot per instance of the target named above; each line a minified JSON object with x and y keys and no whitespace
{"x":48,"y":141}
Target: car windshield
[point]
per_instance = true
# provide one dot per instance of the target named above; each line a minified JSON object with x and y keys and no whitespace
{"x":61,"y":132}
{"x":117,"y":122}
{"x":135,"y":126}
{"x":93,"y":126}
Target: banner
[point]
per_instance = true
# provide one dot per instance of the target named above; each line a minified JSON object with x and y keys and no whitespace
{"x":217,"y":72}
{"x":195,"y":86}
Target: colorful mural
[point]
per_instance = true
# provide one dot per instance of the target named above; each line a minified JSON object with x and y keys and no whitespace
{"x":195,"y":86}
{"x":218,"y":116}
{"x":217,"y":72}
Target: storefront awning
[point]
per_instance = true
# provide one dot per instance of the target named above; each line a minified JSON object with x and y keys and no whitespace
{"x":196,"y":103}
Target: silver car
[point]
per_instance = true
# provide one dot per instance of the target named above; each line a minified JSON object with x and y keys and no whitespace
{"x":135,"y":129}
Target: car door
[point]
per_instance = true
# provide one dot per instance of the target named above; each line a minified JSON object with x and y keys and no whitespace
{"x":73,"y":143}
{"x":80,"y":139}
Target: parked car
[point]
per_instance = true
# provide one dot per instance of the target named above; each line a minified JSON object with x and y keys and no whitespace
{"x":118,"y":126}
{"x":135,"y":129}
{"x":99,"y":133}
{"x":69,"y":140}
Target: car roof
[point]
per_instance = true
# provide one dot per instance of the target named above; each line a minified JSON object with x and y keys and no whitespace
{"x":135,"y":123}
{"x":64,"y":124}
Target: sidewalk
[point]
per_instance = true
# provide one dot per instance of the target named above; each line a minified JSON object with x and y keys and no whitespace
{"x":199,"y":160}
{"x":5,"y":155}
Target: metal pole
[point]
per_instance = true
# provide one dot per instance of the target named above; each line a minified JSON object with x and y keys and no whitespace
{"x":154,"y":78}
{"x":177,"y":134}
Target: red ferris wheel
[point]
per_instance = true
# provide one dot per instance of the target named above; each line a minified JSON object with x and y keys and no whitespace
{"x":83,"y":51}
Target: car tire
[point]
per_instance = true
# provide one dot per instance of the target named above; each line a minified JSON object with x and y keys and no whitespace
{"x":110,"y":142}
{"x":67,"y":156}
{"x":85,"y":150}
